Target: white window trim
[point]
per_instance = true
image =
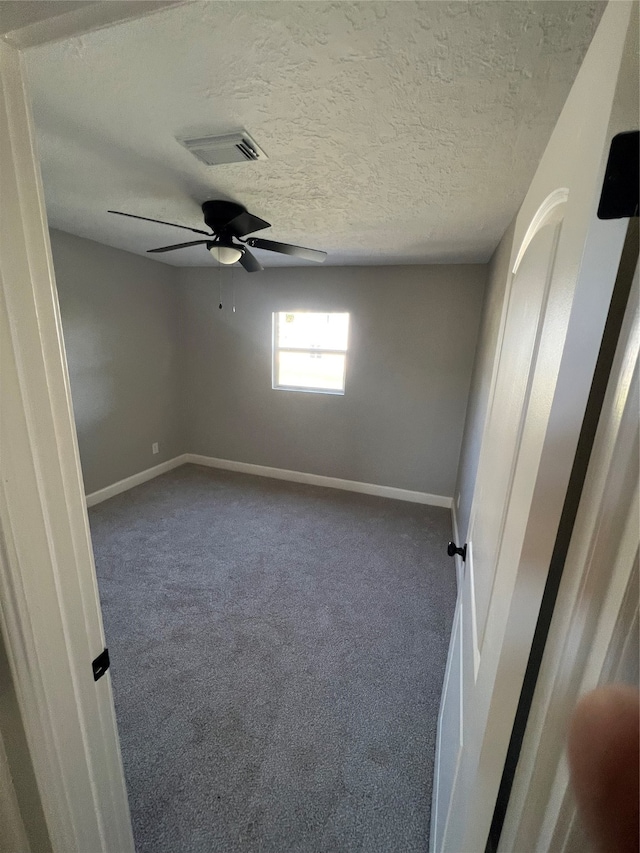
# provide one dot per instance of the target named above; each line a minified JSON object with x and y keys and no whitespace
{"x":275,"y":349}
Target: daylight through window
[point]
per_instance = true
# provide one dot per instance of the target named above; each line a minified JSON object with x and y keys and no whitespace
{"x":310,"y":351}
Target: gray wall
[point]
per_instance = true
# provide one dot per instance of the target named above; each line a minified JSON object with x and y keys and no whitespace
{"x":400,"y":423}
{"x":120,"y":323}
{"x":481,"y":381}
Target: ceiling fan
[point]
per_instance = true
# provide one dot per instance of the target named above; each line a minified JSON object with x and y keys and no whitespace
{"x":229,"y":223}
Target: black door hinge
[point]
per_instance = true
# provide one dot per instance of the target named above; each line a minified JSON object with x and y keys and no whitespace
{"x":100,"y":665}
{"x":619,"y":198}
{"x":453,"y":549}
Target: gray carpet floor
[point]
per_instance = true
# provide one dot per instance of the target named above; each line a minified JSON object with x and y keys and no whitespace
{"x":278,"y":652}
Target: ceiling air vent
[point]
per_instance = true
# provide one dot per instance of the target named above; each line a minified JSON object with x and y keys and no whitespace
{"x":232,"y":148}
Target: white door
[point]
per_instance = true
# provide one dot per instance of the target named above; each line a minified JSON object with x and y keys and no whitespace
{"x":593,"y":637}
{"x":564,"y":262}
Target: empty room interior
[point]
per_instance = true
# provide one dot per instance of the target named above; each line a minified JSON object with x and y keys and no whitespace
{"x":281,"y":235}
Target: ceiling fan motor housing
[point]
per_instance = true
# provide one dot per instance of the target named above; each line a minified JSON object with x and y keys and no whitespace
{"x":218,"y":214}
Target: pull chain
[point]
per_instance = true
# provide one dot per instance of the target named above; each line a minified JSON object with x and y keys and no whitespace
{"x":233,"y":291}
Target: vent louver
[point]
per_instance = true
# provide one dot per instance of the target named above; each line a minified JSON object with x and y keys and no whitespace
{"x":236,"y":147}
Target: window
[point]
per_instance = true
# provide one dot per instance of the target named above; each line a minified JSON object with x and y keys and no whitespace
{"x":310,"y":351}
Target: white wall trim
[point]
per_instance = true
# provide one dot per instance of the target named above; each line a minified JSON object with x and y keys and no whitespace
{"x":321,"y":480}
{"x":265,"y":471}
{"x":135,"y":480}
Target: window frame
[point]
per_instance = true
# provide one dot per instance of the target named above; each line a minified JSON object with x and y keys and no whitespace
{"x":276,"y":349}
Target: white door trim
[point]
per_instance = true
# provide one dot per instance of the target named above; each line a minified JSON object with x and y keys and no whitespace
{"x":49,"y":612}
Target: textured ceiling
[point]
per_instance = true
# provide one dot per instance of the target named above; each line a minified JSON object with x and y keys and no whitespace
{"x":397,"y":132}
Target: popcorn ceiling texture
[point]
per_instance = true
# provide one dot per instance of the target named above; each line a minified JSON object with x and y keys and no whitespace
{"x":397,"y":132}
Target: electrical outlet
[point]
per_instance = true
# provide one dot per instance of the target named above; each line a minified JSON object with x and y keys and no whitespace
{"x":155,"y":448}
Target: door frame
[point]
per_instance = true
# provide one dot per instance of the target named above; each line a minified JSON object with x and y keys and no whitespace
{"x":49,"y":607}
{"x":50,"y":617}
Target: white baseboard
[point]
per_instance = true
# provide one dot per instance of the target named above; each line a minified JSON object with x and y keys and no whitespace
{"x":265,"y":471}
{"x":135,"y":480}
{"x":320,"y":480}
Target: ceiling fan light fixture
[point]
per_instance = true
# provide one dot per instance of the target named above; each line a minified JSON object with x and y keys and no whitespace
{"x":226,"y":254}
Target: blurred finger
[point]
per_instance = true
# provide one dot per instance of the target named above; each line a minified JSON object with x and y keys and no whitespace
{"x":604,"y":757}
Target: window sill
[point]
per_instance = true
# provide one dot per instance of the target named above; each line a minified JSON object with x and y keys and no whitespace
{"x":308,"y":390}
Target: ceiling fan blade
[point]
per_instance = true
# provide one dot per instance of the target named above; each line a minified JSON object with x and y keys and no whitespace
{"x":178,"y":246}
{"x":250,"y":262}
{"x":160,"y":222}
{"x":246,"y":223}
{"x":287,"y":249}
